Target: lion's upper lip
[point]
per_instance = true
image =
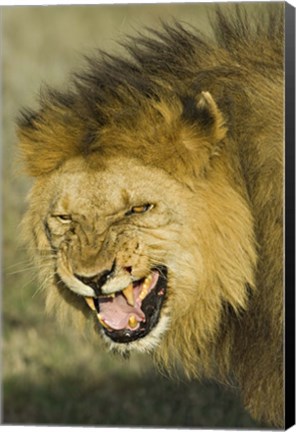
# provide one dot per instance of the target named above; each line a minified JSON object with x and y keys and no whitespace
{"x":125,"y":318}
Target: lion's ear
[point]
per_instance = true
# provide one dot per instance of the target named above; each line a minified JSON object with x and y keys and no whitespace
{"x":203,"y":113}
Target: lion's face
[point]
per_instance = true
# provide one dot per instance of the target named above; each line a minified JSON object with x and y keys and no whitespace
{"x":125,"y":243}
{"x":114,"y":239}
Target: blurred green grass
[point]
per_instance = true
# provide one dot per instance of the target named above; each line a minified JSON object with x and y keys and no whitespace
{"x":50,"y":374}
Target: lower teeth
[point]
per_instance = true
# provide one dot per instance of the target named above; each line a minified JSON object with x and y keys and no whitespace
{"x":132,"y":322}
{"x":103,"y":322}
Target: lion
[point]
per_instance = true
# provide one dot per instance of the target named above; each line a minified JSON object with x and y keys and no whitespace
{"x":156,"y":211}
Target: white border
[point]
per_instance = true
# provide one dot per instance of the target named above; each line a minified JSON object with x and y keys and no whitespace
{"x":96,"y":2}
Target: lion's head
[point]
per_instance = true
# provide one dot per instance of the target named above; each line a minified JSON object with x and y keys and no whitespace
{"x":152,"y":241}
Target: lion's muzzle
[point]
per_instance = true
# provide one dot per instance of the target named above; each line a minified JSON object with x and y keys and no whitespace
{"x":96,"y":282}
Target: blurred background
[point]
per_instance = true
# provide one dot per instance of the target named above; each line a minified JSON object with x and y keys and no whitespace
{"x":52,"y":375}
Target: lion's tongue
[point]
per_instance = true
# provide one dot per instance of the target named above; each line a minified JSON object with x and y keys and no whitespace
{"x":117,"y":313}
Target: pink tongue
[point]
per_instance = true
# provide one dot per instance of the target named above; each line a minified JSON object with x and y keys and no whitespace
{"x":116,"y":312}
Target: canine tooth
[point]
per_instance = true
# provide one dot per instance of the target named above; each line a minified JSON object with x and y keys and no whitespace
{"x":128,"y":293}
{"x":102,"y":322}
{"x":132,"y":322}
{"x":90,"y":303}
{"x":148,"y":278}
{"x":144,"y":292}
{"x":146,"y":285}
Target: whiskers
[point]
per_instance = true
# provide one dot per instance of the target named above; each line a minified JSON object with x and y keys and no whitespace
{"x":28,"y":265}
{"x":155,"y":263}
{"x":32,"y":272}
{"x":31,"y":267}
{"x":43,"y":285}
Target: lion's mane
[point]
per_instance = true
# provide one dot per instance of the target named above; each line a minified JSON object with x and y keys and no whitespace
{"x":222,"y":97}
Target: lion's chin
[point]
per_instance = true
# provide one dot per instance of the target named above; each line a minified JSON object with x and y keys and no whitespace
{"x":145,"y":344}
{"x":133,"y":314}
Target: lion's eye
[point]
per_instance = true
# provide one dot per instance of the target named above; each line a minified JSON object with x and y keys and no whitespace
{"x":139,"y":209}
{"x":64,"y":218}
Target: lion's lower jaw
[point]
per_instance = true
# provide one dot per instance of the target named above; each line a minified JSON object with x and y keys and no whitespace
{"x":146,"y":344}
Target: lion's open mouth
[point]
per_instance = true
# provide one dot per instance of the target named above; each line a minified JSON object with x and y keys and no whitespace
{"x":130,"y":314}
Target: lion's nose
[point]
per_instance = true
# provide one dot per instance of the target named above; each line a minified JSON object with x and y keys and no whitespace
{"x":97,"y":281}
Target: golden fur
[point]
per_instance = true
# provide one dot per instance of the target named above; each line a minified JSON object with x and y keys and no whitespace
{"x":198,"y":131}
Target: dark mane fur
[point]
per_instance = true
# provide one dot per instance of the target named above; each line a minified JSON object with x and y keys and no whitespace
{"x":174,"y":60}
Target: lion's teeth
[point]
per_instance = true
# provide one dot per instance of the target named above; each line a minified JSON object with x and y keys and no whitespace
{"x":129,"y":294}
{"x":102,"y":321}
{"x":145,"y":288}
{"x":90,"y":302}
{"x":144,"y":292}
{"x":132,"y":322}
